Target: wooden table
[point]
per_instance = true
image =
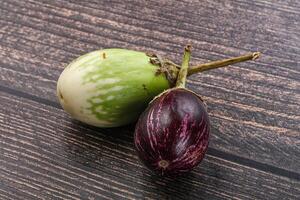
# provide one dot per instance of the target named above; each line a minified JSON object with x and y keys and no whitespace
{"x":254,"y":106}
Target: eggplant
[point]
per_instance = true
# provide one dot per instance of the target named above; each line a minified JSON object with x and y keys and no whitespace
{"x":112,"y":87}
{"x":172,"y":135}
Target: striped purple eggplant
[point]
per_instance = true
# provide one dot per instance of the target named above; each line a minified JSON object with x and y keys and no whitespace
{"x":171,"y":136}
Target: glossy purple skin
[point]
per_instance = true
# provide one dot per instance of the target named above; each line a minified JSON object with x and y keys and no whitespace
{"x":171,"y":136}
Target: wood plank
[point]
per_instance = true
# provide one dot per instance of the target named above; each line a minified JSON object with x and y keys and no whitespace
{"x":46,"y":155}
{"x":72,"y":15}
{"x":189,"y":23}
{"x":246,"y":110}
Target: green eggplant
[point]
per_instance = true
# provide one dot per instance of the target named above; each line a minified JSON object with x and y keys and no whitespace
{"x":112,"y":87}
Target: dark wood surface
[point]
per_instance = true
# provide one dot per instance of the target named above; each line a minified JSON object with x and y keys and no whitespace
{"x":254,"y":106}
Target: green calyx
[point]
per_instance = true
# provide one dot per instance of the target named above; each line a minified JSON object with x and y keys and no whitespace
{"x":171,"y":70}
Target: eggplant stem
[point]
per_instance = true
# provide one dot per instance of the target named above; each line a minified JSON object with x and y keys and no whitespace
{"x":181,"y":78}
{"x":222,"y":63}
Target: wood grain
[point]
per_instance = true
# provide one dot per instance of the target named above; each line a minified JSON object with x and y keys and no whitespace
{"x":46,"y":155}
{"x":254,"y":106}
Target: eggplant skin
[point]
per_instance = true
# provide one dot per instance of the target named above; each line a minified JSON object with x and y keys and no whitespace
{"x":172,"y":134}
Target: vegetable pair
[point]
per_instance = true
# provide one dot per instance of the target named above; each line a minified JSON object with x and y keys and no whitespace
{"x":112,"y":87}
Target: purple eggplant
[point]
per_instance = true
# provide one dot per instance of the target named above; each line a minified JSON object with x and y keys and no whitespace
{"x":171,"y":136}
